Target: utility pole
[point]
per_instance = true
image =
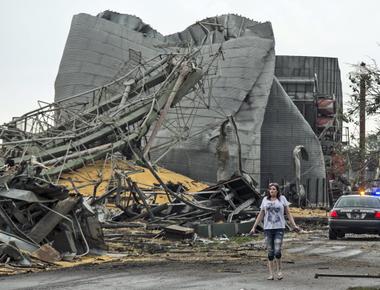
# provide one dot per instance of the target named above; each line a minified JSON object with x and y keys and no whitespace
{"x":362,"y":106}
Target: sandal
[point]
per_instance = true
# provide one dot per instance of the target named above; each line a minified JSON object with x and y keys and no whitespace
{"x":280,"y":276}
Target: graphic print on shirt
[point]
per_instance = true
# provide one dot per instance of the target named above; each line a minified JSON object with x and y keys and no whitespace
{"x":273,"y":213}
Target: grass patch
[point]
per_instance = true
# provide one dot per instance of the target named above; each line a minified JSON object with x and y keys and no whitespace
{"x":241,"y":239}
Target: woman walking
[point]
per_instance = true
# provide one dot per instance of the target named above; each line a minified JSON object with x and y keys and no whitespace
{"x":273,"y":208}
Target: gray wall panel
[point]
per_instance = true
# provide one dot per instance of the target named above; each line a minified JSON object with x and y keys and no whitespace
{"x":284,"y":128}
{"x":242,"y":85}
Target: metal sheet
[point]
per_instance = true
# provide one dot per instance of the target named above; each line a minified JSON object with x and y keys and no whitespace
{"x":20,"y":243}
{"x":24,"y":195}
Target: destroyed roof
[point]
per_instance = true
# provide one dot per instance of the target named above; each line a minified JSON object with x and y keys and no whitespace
{"x":246,"y":60}
{"x":130,"y":21}
{"x":235,"y":83}
{"x":203,"y":93}
{"x":237,"y":86}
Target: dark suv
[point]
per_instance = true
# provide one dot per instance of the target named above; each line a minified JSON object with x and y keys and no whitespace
{"x":354,"y":214}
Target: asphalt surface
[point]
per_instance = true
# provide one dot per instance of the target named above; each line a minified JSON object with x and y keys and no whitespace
{"x":302,"y":259}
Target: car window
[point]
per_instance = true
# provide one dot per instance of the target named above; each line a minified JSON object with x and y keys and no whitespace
{"x":358,"y":202}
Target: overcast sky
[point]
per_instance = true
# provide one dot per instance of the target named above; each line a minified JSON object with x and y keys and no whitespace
{"x":33,"y":34}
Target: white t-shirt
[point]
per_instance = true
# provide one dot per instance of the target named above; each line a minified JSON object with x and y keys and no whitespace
{"x":274,"y":213}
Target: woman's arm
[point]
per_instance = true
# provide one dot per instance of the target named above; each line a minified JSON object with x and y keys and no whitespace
{"x":291,"y":219}
{"x":259,"y":218}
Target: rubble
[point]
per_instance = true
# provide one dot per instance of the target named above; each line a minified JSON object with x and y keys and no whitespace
{"x":74,"y":177}
{"x":50,"y":221}
{"x":235,"y":199}
{"x":48,"y":214}
{"x":59,"y":222}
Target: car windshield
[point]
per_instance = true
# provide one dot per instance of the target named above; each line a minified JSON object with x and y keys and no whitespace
{"x":357,"y":201}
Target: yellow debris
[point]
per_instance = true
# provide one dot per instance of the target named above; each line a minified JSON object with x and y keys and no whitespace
{"x":86,"y":260}
{"x":101,"y":172}
{"x":315,"y":212}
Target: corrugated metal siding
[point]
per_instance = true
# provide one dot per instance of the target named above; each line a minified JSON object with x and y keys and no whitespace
{"x":284,"y":128}
{"x":326,"y":68}
{"x":95,"y":52}
{"x":240,"y":89}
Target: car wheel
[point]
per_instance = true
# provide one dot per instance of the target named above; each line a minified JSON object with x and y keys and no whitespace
{"x":341,"y":235}
{"x":332,"y":235}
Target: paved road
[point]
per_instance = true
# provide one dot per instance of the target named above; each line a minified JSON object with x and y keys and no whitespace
{"x":363,"y":248}
{"x":304,"y":258}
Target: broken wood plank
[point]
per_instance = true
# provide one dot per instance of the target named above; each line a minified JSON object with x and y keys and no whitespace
{"x":52,"y":219}
{"x":176,"y":231}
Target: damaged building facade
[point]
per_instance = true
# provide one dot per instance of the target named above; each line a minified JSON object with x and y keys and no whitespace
{"x":247,"y":118}
{"x":314,"y":85}
{"x":243,"y":86}
{"x":212,"y":102}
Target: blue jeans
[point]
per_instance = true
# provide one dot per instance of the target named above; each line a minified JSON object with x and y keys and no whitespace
{"x":274,"y":239}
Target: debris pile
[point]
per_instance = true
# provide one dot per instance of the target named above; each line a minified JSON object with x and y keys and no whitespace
{"x":66,"y":135}
{"x":49,"y":221}
{"x":43,"y":220}
{"x":168,"y":203}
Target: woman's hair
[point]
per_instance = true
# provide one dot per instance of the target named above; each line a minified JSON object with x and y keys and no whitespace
{"x":277,"y":187}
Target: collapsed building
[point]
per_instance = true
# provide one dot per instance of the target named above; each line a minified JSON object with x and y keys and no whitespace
{"x":246,"y":117}
{"x":212,"y":102}
{"x":39,"y":147}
